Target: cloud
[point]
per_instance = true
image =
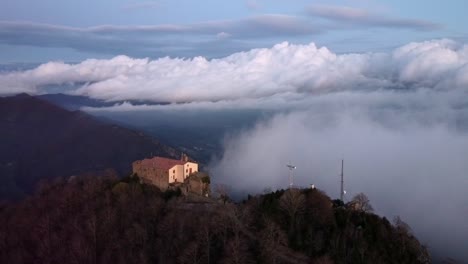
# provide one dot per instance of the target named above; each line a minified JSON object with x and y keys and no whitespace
{"x":277,"y":23}
{"x":99,"y":39}
{"x":184,"y":40}
{"x":156,"y":40}
{"x":223,"y":35}
{"x":362,"y":17}
{"x":399,"y":119}
{"x":406,"y":150}
{"x":285,"y":70}
{"x":198,"y":38}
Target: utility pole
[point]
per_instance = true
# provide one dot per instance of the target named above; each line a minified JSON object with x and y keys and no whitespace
{"x":342,"y":182}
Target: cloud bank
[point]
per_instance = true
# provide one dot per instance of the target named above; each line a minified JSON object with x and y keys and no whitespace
{"x":285,"y":70}
{"x":399,"y":119}
{"x":406,"y":150}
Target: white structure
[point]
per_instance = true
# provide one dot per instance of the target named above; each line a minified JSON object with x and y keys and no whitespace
{"x":180,"y":171}
{"x":291,"y":179}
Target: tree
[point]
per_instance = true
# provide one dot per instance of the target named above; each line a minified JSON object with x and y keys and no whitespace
{"x":362,"y":203}
{"x":292,"y":202}
{"x":401,"y":226}
{"x":237,"y":251}
{"x":223,"y":191}
{"x":272,"y":240}
{"x":206,"y":179}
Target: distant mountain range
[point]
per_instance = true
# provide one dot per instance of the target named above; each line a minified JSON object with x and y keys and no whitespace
{"x":198,"y":133}
{"x":76,"y":102}
{"x":41,"y":140}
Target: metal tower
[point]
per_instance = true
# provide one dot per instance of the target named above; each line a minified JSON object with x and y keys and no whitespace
{"x":291,"y":168}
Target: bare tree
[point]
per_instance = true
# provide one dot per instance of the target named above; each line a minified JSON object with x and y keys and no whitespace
{"x":292,"y":202}
{"x":223,"y":192}
{"x":272,"y":240}
{"x":237,"y":251}
{"x":401,"y":226}
{"x":323,"y":260}
{"x":362,"y":203}
{"x":191,"y":254}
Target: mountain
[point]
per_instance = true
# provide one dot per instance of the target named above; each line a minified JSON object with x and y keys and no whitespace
{"x":106,"y":220}
{"x":75,"y":102}
{"x":41,"y":140}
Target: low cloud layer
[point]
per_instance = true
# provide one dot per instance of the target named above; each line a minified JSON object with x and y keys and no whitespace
{"x":406,"y":150}
{"x":399,"y":119}
{"x":285,"y":70}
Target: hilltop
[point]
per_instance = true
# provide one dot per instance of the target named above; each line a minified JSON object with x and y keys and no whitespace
{"x":106,"y":220}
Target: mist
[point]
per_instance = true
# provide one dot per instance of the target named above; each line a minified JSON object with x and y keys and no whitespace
{"x":407,"y":151}
{"x":399,"y":119}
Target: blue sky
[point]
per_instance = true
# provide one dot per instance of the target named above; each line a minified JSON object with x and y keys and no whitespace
{"x":39,"y":31}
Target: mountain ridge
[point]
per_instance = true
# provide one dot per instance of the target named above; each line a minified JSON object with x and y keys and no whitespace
{"x":42,"y":140}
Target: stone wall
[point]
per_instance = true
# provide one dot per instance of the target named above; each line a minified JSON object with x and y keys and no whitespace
{"x":194,"y":184}
{"x":157,"y":177}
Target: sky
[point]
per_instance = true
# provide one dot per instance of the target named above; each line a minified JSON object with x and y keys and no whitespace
{"x":381,"y":84}
{"x":40,"y":31}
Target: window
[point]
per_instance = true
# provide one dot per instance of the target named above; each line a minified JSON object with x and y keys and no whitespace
{"x":173,"y":171}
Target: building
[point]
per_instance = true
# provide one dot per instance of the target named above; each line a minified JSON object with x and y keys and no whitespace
{"x":163,"y":171}
{"x":198,"y":183}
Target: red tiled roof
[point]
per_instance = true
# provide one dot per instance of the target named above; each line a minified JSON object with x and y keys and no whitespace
{"x":161,"y":163}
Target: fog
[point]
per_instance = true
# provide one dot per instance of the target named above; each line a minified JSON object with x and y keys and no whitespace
{"x":399,"y":119}
{"x":408,"y":151}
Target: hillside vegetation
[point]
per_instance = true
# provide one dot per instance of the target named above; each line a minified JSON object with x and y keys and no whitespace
{"x":107,"y":220}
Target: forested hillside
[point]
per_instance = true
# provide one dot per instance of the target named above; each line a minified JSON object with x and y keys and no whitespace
{"x":107,"y":220}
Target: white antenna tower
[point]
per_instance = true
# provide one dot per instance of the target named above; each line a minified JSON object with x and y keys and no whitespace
{"x":291,"y":168}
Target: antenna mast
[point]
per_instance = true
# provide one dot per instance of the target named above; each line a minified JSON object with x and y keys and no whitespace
{"x":291,"y":168}
{"x":342,"y":182}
